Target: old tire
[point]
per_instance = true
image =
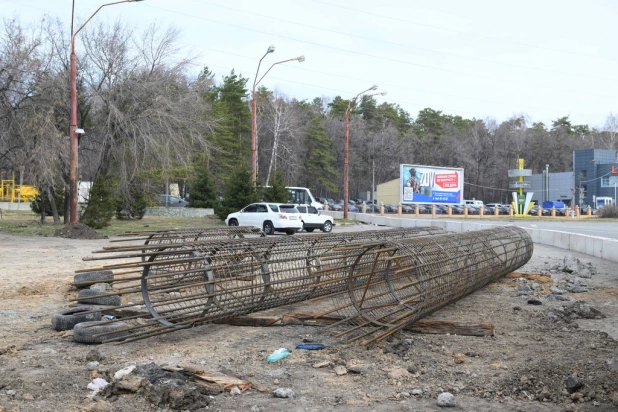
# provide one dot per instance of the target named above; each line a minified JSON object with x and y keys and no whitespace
{"x":92,"y":296}
{"x":84,"y":333}
{"x":88,"y":278}
{"x":327,"y":226}
{"x":268,"y":228}
{"x":67,"y":319}
{"x":309,"y":229}
{"x":233,"y":222}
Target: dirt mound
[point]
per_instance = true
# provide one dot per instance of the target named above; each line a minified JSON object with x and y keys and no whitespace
{"x":78,"y":231}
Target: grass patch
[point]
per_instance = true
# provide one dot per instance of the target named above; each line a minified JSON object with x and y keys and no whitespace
{"x":28,"y":224}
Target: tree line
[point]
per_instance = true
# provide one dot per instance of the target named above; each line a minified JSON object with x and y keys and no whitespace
{"x":151,"y":119}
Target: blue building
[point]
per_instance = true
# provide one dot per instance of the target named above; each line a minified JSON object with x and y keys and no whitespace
{"x":595,"y":174}
{"x":556,"y":187}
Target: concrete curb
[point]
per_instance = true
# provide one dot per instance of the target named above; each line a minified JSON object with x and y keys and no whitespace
{"x":600,"y":247}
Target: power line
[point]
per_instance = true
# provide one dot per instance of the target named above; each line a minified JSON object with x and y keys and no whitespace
{"x":508,"y":81}
{"x":413,"y":47}
{"x":391,"y":84}
{"x":462,"y":32}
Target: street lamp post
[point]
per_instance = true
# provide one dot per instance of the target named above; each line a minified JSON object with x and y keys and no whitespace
{"x":271,"y":49}
{"x":346,"y":162}
{"x":73,"y":136}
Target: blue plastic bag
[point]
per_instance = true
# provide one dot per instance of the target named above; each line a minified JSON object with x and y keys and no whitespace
{"x":278,"y":355}
{"x":310,"y":346}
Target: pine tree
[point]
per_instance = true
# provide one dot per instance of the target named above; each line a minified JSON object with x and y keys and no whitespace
{"x":319,"y":158}
{"x":203,"y":192}
{"x":277,"y":193}
{"x":101,"y":204}
{"x":239,"y":192}
{"x":232,"y":134}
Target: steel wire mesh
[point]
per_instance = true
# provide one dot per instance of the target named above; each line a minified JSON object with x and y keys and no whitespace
{"x":380,"y":280}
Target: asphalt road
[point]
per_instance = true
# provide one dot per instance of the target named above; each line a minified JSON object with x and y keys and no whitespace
{"x":596,"y":227}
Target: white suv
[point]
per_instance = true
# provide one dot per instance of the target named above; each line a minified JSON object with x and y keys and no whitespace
{"x":270,"y":217}
{"x":312,"y":219}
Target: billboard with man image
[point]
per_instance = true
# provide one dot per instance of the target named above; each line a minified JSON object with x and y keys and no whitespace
{"x":431,"y":184}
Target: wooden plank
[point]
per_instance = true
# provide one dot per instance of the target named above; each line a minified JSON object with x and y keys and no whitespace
{"x":226,"y":381}
{"x":256,"y":321}
{"x":420,"y":326}
{"x":443,"y":327}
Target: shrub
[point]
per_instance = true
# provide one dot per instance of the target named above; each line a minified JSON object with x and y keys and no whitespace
{"x":608,"y":211}
{"x":101,"y":204}
{"x":203,"y":191}
{"x":35,"y":205}
{"x":134,"y":206}
{"x":277,"y":193}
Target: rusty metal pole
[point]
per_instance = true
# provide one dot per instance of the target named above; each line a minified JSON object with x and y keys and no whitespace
{"x":73,"y":137}
{"x":346,"y":165}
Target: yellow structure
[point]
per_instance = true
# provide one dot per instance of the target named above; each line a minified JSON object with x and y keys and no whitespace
{"x":10,"y":192}
{"x":388,"y":192}
{"x":521,"y":203}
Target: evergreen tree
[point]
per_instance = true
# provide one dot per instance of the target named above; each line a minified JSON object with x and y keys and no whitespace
{"x":319,"y":158}
{"x":277,"y":193}
{"x":238,"y":193}
{"x":232,"y":133}
{"x":101,"y":203}
{"x":203,"y":192}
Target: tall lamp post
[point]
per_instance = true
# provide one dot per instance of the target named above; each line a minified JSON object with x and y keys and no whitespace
{"x":73,"y":135}
{"x":271,"y":49}
{"x":346,"y":163}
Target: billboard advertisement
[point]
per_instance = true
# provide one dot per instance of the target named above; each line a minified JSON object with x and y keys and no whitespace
{"x":431,"y":185}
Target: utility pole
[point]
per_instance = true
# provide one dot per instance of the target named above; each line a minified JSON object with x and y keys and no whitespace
{"x":580,"y":191}
{"x":373,"y":181}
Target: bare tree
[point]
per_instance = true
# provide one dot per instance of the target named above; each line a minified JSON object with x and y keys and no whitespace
{"x":609,"y":134}
{"x":147,"y":114}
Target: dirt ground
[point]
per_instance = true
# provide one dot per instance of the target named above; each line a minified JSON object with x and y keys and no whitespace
{"x":524,"y":367}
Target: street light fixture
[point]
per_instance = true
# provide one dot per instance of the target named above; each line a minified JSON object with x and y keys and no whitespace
{"x":346,"y":164}
{"x":271,"y":49}
{"x":73,"y":134}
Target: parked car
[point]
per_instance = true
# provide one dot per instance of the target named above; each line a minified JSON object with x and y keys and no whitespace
{"x":547,"y":211}
{"x":407,"y":209}
{"x":473,"y":210}
{"x":172,"y":201}
{"x":390,"y":209}
{"x":336,"y":207}
{"x":312,"y":219}
{"x":270,"y":217}
{"x":458,"y":210}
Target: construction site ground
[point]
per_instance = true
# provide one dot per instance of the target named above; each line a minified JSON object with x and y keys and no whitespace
{"x":523,"y":367}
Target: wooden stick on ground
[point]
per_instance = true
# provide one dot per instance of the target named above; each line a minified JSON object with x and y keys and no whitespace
{"x":421,"y":326}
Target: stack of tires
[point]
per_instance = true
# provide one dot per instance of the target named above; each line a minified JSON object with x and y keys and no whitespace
{"x":86,"y":321}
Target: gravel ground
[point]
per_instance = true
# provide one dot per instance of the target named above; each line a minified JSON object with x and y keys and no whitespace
{"x":553,"y":356}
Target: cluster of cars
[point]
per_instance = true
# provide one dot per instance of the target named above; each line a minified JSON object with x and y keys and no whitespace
{"x":281,"y":217}
{"x":337,"y":205}
{"x":440,"y":209}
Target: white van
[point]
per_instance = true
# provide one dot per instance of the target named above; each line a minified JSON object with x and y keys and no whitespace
{"x":475,"y":203}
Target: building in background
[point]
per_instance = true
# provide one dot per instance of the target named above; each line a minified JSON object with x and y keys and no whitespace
{"x":556,"y":187}
{"x":595,"y":175}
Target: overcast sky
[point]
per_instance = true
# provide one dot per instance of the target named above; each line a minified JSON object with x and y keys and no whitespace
{"x":472,"y":58}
